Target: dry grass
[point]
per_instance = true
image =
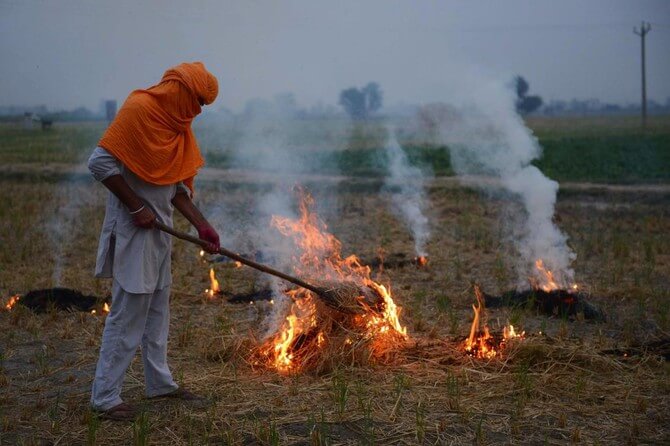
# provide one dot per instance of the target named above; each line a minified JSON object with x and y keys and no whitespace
{"x":554,"y":388}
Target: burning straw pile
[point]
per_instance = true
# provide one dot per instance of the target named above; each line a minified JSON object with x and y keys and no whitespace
{"x":484,"y":345}
{"x":315,"y":336}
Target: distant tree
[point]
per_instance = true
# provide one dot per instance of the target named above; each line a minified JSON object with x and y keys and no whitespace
{"x":353,"y":102}
{"x":521,"y":86}
{"x":529,"y":104}
{"x":525,"y":104}
{"x":359,"y":104}
{"x":373,"y":97}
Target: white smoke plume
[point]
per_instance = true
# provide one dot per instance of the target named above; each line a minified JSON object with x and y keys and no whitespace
{"x":64,"y":225}
{"x":265,"y":148}
{"x":491,"y":147}
{"x":406,"y":185}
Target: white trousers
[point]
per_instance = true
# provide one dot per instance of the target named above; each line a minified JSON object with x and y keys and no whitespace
{"x":134,"y":319}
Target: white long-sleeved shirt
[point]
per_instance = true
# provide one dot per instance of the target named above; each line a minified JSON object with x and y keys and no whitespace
{"x":138,"y":259}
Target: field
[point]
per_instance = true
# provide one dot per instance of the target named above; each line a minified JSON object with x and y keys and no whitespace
{"x":569,"y":381}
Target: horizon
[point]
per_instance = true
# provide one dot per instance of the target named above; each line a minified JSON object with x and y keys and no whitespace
{"x":74,"y":53}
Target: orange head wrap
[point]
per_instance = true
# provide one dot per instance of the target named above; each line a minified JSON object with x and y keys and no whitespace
{"x":152,"y":136}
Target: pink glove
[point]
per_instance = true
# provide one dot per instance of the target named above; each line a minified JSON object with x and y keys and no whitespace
{"x":208,"y":234}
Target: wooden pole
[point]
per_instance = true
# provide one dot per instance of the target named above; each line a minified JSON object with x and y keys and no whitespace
{"x":239,"y":258}
{"x":645,"y":27}
{"x":343,"y":296}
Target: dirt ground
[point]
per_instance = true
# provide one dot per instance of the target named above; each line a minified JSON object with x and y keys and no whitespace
{"x":568,"y":381}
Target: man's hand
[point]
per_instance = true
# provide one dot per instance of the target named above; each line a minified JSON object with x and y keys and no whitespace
{"x":145,"y":218}
{"x":207,"y":233}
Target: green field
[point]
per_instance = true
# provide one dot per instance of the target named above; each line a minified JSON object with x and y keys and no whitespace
{"x":570,"y":381}
{"x":603,"y":150}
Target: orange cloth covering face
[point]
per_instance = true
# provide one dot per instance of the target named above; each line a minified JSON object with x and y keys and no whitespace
{"x":151,"y":135}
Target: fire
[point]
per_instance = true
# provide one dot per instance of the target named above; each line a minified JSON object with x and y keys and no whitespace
{"x":547,"y":282}
{"x":214,"y":285}
{"x":311,"y":328}
{"x":421,"y":261}
{"x":105,"y":309}
{"x":12,"y":301}
{"x":484,"y":345}
{"x":389,"y":319}
{"x":301,"y":320}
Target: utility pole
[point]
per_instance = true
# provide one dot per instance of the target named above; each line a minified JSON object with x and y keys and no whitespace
{"x":645,"y":27}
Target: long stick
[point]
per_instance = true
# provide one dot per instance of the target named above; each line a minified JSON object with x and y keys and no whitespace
{"x":239,"y":258}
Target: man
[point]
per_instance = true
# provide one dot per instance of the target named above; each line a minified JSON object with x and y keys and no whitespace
{"x":147,"y":158}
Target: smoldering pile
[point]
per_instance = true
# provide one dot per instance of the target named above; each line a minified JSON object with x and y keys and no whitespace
{"x":61,"y":299}
{"x":557,"y":302}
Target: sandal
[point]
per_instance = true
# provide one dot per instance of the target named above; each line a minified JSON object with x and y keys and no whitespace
{"x":120,"y":412}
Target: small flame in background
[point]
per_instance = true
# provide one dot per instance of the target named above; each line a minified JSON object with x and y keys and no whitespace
{"x":214,"y":285}
{"x":308,"y":329}
{"x":546,"y":281}
{"x":105,"y":309}
{"x":421,"y":261}
{"x":483,"y":345}
{"x":12,"y":302}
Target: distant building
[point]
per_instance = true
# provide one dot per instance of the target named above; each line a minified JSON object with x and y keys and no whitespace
{"x":110,"y":109}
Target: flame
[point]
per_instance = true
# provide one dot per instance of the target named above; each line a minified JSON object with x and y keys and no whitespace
{"x":310,"y":326}
{"x":12,"y":301}
{"x":421,"y":261}
{"x":105,"y":309}
{"x":484,"y":345}
{"x":202,"y":257}
{"x":546,"y":280}
{"x":389,"y":319}
{"x":238,"y":264}
{"x":509,"y":332}
{"x":298,"y":323}
{"x":214,"y":285}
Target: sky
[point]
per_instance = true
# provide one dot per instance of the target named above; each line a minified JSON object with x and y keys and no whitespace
{"x":68,"y":53}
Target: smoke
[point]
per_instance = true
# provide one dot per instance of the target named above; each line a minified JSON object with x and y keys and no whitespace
{"x":491,"y":148}
{"x":264,"y":147}
{"x":63,"y":227}
{"x":274,"y":147}
{"x":406,"y":185}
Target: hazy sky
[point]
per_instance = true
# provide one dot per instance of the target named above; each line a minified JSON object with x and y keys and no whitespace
{"x":65,"y":53}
